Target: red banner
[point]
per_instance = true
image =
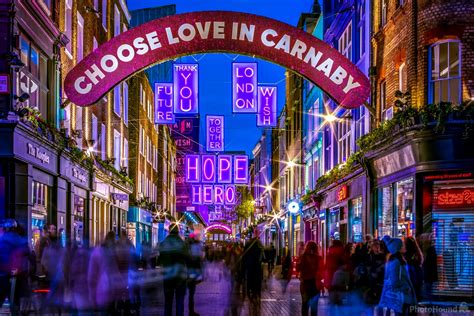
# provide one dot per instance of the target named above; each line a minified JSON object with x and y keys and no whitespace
{"x":454,"y":198}
{"x":216,"y":31}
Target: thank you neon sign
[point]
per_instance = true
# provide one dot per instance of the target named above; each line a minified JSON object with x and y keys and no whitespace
{"x":186,"y":88}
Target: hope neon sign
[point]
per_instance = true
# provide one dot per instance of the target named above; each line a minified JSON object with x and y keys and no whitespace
{"x":223,"y":169}
{"x":186,"y":88}
{"x":215,"y":133}
{"x":217,"y":194}
{"x":244,"y":87}
{"x":164,"y":103}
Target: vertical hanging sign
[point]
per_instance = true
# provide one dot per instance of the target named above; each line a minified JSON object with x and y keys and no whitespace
{"x":186,"y":88}
{"x":215,"y":133}
{"x":164,"y":103}
{"x":267,"y":106}
{"x":244,"y":87}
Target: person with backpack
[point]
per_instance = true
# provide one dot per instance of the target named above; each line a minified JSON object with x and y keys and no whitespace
{"x":398,"y":293}
{"x":310,"y":269}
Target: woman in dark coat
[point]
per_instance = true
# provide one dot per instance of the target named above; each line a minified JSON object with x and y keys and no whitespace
{"x":310,"y":273}
{"x":414,"y":259}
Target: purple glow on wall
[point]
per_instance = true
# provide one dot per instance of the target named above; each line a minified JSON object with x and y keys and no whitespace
{"x":241,"y":169}
{"x":196,"y":194}
{"x":267,"y":106}
{"x":186,"y":88}
{"x":164,"y":103}
{"x":208,"y":169}
{"x":219,"y":194}
{"x":207,"y":194}
{"x":224,"y":167}
{"x":244,"y":87}
{"x":193,"y":168}
{"x":215,"y":133}
{"x":230,"y":194}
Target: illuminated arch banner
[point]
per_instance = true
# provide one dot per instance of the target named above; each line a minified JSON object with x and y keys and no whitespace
{"x":216,"y":31}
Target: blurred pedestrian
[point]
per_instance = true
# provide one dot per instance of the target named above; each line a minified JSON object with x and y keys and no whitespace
{"x":102,"y":276}
{"x":194,"y":269}
{"x":78,"y":272}
{"x":334,"y":260}
{"x":430,"y":265}
{"x":270,"y":256}
{"x":310,"y":269}
{"x":252,"y":271}
{"x":376,"y":266}
{"x":398,"y":293}
{"x":414,"y":259}
{"x":174,"y":258}
{"x":127,"y":262}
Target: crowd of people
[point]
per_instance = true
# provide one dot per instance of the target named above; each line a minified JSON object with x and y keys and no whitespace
{"x":390,"y":273}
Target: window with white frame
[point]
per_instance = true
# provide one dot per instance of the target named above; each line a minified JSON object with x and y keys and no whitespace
{"x":310,"y":127}
{"x":328,"y":149}
{"x":103,"y":145}
{"x":140,"y":139}
{"x":68,"y":26}
{"x":344,"y":140}
{"x":383,"y":12}
{"x":125,"y":153}
{"x":80,"y":38}
{"x":96,"y":5}
{"x":388,"y":114}
{"x":315,"y":170}
{"x":95,"y":44}
{"x":139,"y":184}
{"x":117,"y":100}
{"x":402,"y":78}
{"x":362,"y":34}
{"x":104,"y":14}
{"x":345,"y":42}
{"x":79,"y":120}
{"x":117,"y":23}
{"x":150,"y":112}
{"x":125,"y":103}
{"x":141,"y":93}
{"x":117,"y":149}
{"x":445,"y":72}
{"x":94,"y":128}
{"x":147,"y":154}
{"x":382,"y":96}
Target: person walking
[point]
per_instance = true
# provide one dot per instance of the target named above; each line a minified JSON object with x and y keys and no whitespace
{"x":270,"y":257}
{"x":310,"y":274}
{"x":174,"y":258}
{"x":376,"y":266}
{"x":398,"y":293}
{"x":194,"y":270}
{"x":252,"y":272}
{"x":430,"y":266}
{"x":334,"y":261}
{"x":414,"y":259}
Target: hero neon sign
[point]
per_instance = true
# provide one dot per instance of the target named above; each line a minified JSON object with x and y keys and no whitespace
{"x":217,"y":194}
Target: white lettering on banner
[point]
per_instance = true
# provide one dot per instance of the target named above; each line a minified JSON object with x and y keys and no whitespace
{"x":37,"y":153}
{"x":81,"y":176}
{"x":212,"y":30}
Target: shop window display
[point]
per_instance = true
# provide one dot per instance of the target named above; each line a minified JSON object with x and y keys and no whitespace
{"x":356,"y":220}
{"x":334,"y":225}
{"x":404,"y":204}
{"x":39,"y":215}
{"x":385,"y":216}
{"x":79,"y":203}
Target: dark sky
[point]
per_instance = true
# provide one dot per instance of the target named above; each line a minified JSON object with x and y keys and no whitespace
{"x":241,"y":132}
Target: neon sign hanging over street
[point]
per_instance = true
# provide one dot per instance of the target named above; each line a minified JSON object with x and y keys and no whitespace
{"x":164,"y":103}
{"x":214,"y":31}
{"x":244,"y":87}
{"x":267,"y":106}
{"x":215,"y":133}
{"x":186,"y":88}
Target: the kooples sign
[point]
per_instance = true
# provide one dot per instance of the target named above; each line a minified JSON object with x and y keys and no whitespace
{"x":38,"y":153}
{"x":216,"y":31}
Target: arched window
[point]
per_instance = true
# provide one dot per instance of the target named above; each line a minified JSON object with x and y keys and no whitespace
{"x":445,"y":72}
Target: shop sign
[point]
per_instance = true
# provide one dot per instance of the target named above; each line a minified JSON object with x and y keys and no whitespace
{"x":79,"y":175}
{"x":36,"y":152}
{"x":342,"y":193}
{"x":267,"y":106}
{"x":215,"y":133}
{"x":209,"y":31}
{"x":119,"y":196}
{"x":186,"y":88}
{"x":454,"y":198}
{"x":4,"y":84}
{"x":164,"y":103}
{"x":462,"y":175}
{"x":244,"y":87}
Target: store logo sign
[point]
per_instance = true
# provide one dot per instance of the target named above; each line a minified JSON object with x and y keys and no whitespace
{"x":79,"y":175}
{"x":342,"y":193}
{"x":36,"y":152}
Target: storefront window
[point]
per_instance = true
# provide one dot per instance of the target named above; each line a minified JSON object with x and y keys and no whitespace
{"x":79,"y":204}
{"x":385,"y":216}
{"x":405,"y":208}
{"x":356,"y":219}
{"x":39,"y":215}
{"x":334,"y":229}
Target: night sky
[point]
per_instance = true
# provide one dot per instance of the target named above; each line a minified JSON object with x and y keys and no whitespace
{"x":241,"y":132}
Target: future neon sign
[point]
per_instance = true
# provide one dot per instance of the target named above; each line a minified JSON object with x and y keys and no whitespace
{"x":164,"y":103}
{"x":244,"y":87}
{"x":214,"y":31}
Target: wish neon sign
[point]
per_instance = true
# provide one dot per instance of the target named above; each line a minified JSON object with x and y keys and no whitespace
{"x":244,"y":87}
{"x":267,"y":106}
{"x":222,"y":169}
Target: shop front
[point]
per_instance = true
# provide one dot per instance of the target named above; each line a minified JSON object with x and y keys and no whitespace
{"x":118,"y":210}
{"x":139,"y":227}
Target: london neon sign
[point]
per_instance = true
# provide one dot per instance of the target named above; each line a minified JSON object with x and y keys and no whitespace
{"x":215,"y":31}
{"x":244,"y":87}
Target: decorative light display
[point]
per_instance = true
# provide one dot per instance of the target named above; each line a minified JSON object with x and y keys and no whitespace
{"x":186,"y":88}
{"x":219,"y":226}
{"x":215,"y":133}
{"x":267,"y":106}
{"x":293,"y":207}
{"x":164,"y":103}
{"x":244,"y":87}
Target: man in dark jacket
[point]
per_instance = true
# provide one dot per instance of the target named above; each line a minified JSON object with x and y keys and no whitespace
{"x":174,"y":258}
{"x":252,"y":271}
